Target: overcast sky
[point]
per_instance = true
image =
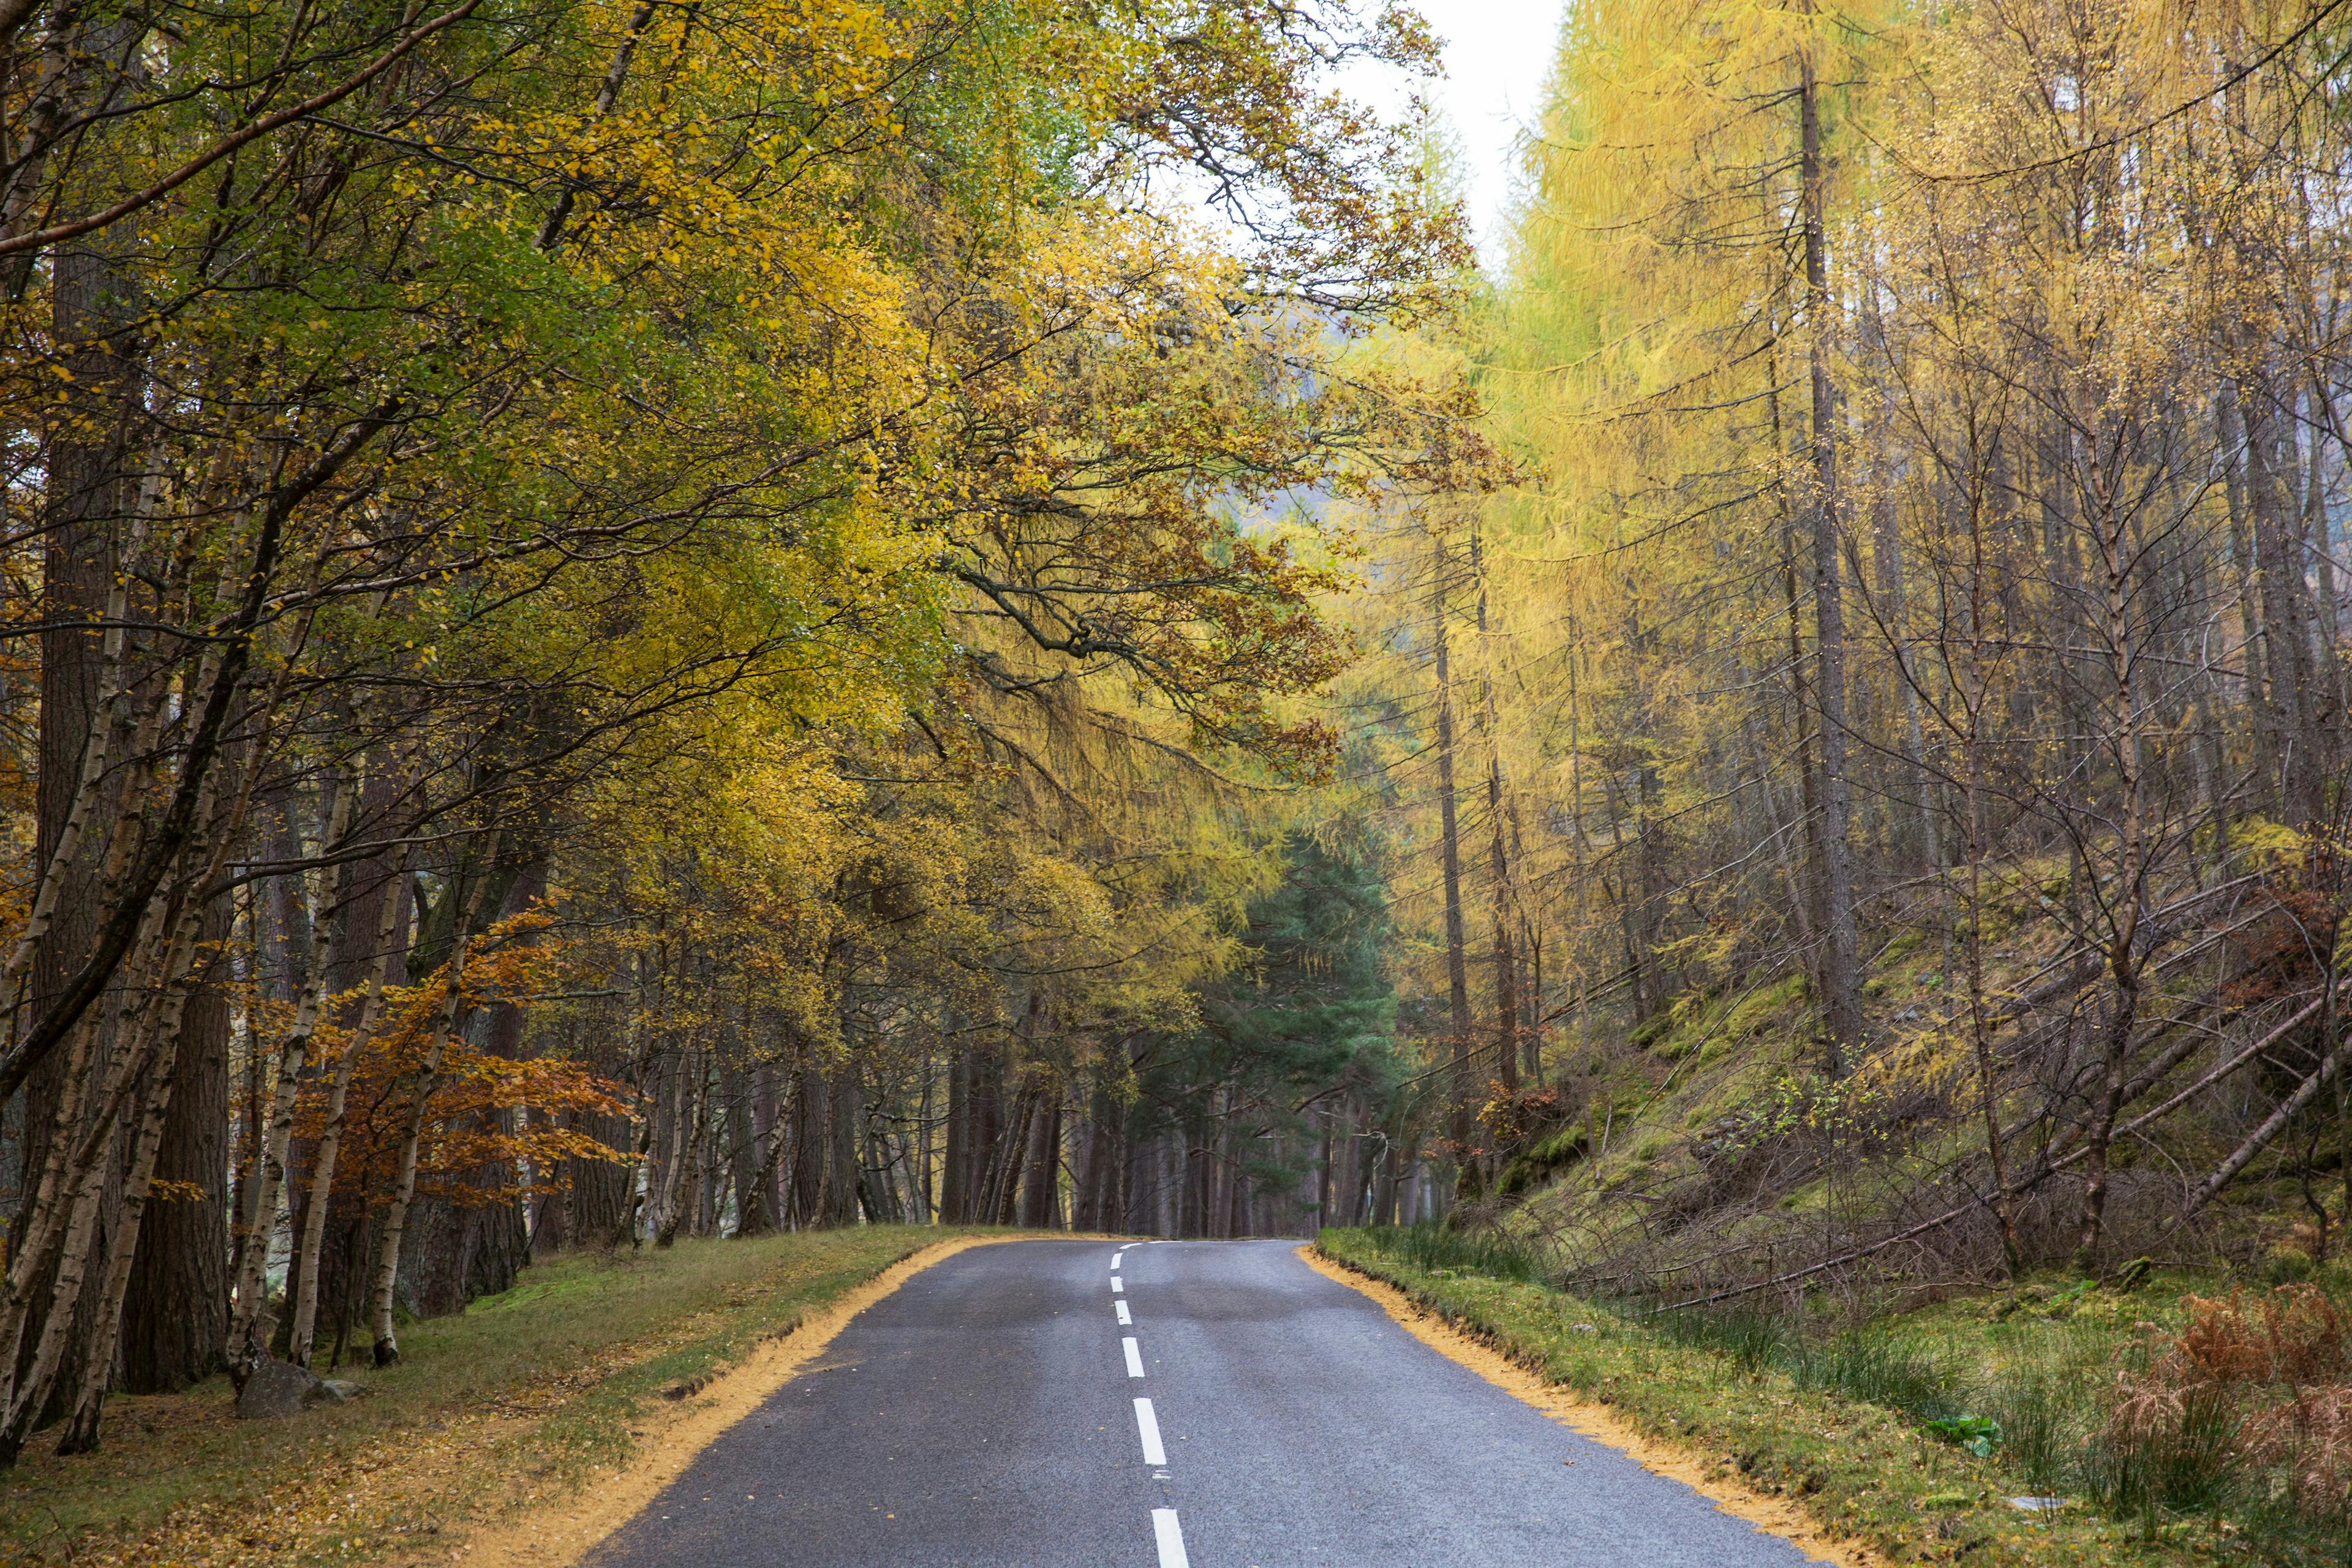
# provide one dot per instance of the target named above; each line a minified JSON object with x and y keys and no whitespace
{"x":1496,"y":52}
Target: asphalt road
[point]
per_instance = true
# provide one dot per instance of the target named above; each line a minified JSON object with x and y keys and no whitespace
{"x":1165,"y":1404}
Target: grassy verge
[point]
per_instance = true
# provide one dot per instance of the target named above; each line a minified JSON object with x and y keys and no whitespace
{"x":1865,"y":1470}
{"x":521,"y":1398}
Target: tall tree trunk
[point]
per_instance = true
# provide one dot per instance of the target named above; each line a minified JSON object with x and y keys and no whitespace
{"x":744,"y":1155}
{"x":1042,"y":1187}
{"x":396,"y":1220}
{"x":97,"y":1371}
{"x":88,"y":1208}
{"x":1007,"y":1156}
{"x":389,"y":899}
{"x":1807,"y":908}
{"x":1887,"y":558}
{"x":458,"y":1251}
{"x":2279,"y":564}
{"x":1533,"y":941}
{"x":1457,"y":971}
{"x":175,"y":1308}
{"x":57,"y":1341}
{"x":2254,"y":647}
{"x":810,"y":1142}
{"x":1976,"y":697}
{"x":844,"y":1123}
{"x":2128,"y":896}
{"x":1086,"y":1173}
{"x":955,"y":1185}
{"x":927,"y":1211}
{"x":246,"y":1339}
{"x":598,"y":1192}
{"x":2321,"y":530}
{"x":1498,"y":857}
{"x":680,"y":1195}
{"x":91,"y":495}
{"x":1841,"y":952}
{"x":2313,"y":545}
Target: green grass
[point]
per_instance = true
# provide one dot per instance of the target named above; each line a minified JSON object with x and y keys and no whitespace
{"x":1898,"y":1372}
{"x":1752,"y":1340}
{"x":1435,"y":1249}
{"x":1837,"y":1422}
{"x":542,"y":1385}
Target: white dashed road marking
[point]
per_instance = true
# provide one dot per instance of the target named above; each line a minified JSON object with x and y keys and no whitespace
{"x":1170,"y":1538}
{"x":1165,"y":1532}
{"x":1147,"y":1424}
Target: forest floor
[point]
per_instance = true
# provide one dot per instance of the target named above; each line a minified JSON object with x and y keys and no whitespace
{"x":525,"y":1397}
{"x":1753,"y":1403}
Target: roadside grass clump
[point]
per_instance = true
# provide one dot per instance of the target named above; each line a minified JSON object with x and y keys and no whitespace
{"x":2188,"y":1459}
{"x":1899,"y":1371}
{"x":1433,"y":1247}
{"x":1895,"y":1370}
{"x":2245,"y":1411}
{"x":2047,"y":1416}
{"x":1753,"y":1339}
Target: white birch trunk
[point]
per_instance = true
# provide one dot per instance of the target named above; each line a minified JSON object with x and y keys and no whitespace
{"x":261,"y":1216}
{"x":330,"y":1138}
{"x":395,"y":1219}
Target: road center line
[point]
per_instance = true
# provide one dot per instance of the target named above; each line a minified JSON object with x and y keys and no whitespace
{"x":1134,"y":1358}
{"x":1117,"y":1286}
{"x":1169,"y":1538}
{"x":1123,"y":1320}
{"x":1147,"y":1424}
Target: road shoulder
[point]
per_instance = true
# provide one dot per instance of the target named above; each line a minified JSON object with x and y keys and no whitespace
{"x":1774,"y":1515}
{"x":529,"y":1405}
{"x":1864,"y":1480}
{"x":559,"y":1536}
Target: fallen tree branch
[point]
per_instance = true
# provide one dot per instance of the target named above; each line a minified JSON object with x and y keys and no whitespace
{"x":2221,"y":1177}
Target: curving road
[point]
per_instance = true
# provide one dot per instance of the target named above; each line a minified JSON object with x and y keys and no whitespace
{"x":1161,"y":1405}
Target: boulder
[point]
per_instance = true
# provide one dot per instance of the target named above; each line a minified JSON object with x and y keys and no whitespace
{"x":279,"y":1388}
